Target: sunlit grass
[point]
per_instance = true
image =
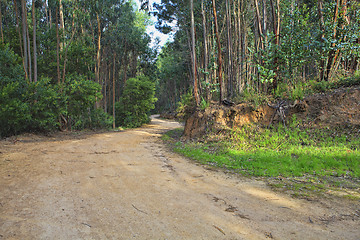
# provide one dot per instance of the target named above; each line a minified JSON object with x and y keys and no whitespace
{"x":290,"y":152}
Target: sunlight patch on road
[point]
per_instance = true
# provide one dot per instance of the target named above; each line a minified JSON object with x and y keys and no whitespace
{"x":270,"y":196}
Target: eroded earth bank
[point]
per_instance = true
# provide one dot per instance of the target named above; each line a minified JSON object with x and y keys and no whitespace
{"x":127,"y":185}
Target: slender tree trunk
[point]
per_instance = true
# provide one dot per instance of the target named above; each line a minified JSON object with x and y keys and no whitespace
{"x":258,"y":20}
{"x":20,"y":40}
{"x":23,"y":13}
{"x":322,"y":29}
{"x":206,"y":52}
{"x":276,"y":27}
{"x":264,"y":20}
{"x":98,"y":54}
{"x":57,"y":46}
{"x":221,"y":87}
{"x":125,"y":63}
{"x":46,"y":13}
{"x":230,"y":47}
{"x":114,"y":91}
{"x":29,"y":51}
{"x":106,"y":67}
{"x":333,"y":45}
{"x":1,"y":26}
{"x":343,"y":13}
{"x":193,"y":52}
{"x":67,"y":48}
{"x":62,"y":23}
{"x":34,"y":40}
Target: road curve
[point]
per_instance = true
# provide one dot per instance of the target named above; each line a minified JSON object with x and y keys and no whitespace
{"x":127,"y":185}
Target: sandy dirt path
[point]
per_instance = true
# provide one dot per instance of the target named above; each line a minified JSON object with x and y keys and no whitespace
{"x":127,"y":185}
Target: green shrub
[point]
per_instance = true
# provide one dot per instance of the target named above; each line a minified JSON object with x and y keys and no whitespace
{"x":43,"y":101}
{"x":187,"y":105}
{"x":77,"y":104}
{"x":14,"y":111}
{"x":134,"y":106}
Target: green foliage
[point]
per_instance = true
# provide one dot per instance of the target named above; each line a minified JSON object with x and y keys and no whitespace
{"x":14,"y":112}
{"x":204,"y":104}
{"x":291,"y":152}
{"x":78,"y":98}
{"x":134,"y":106}
{"x":43,"y":103}
{"x":323,"y":86}
{"x":254,"y":97}
{"x":186,"y":105}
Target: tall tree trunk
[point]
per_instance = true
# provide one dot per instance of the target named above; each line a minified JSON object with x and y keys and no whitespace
{"x":46,"y":13}
{"x":57,"y":45}
{"x":20,"y":40}
{"x":193,"y":52}
{"x":276,"y":30}
{"x":67,"y":48}
{"x":114,"y":91}
{"x":258,"y":20}
{"x":62,"y":23}
{"x":23,"y":13}
{"x":29,"y":51}
{"x":343,"y":13}
{"x":125,"y":63}
{"x":98,"y":55}
{"x":221,"y":87}
{"x":322,"y":36}
{"x":333,"y":45}
{"x":230,"y":47}
{"x":34,"y":40}
{"x":206,"y":52}
{"x":1,"y":26}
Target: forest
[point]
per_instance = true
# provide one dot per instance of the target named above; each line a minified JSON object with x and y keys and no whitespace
{"x":75,"y":64}
{"x":72,"y":65}
{"x":247,"y":50}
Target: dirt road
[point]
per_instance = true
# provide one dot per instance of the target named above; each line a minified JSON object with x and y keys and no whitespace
{"x":126,"y":185}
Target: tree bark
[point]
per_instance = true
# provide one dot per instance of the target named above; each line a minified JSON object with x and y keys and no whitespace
{"x":67,"y":48}
{"x":219,"y":53}
{"x":193,"y":52}
{"x":98,"y":54}
{"x":62,"y":23}
{"x":258,"y":20}
{"x":25,"y":56}
{"x":343,"y":13}
{"x":34,"y":40}
{"x":57,"y":46}
{"x":206,"y":52}
{"x":333,"y":45}
{"x":20,"y":40}
{"x":230,"y":47}
{"x":276,"y":28}
{"x":28,"y":49}
{"x":1,"y":26}
{"x":114,"y":91}
{"x":322,"y":36}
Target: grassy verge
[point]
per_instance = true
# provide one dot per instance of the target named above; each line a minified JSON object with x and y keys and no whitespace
{"x":301,"y":161}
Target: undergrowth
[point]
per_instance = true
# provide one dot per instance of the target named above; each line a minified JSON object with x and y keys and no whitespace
{"x":311,"y":158}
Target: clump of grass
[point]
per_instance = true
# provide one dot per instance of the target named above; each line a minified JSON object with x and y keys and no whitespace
{"x":282,"y":153}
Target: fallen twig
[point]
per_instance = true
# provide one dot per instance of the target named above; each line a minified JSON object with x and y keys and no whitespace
{"x":138,"y":209}
{"x":220,"y":230}
{"x":86,"y":224}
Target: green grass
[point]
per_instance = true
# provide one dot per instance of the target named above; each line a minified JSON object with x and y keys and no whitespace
{"x":314,"y":154}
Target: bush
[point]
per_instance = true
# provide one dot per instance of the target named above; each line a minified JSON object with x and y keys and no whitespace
{"x":43,"y":101}
{"x":37,"y":106}
{"x":137,"y":101}
{"x":77,"y":108}
{"x":186,"y":106}
{"x":14,"y":111}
